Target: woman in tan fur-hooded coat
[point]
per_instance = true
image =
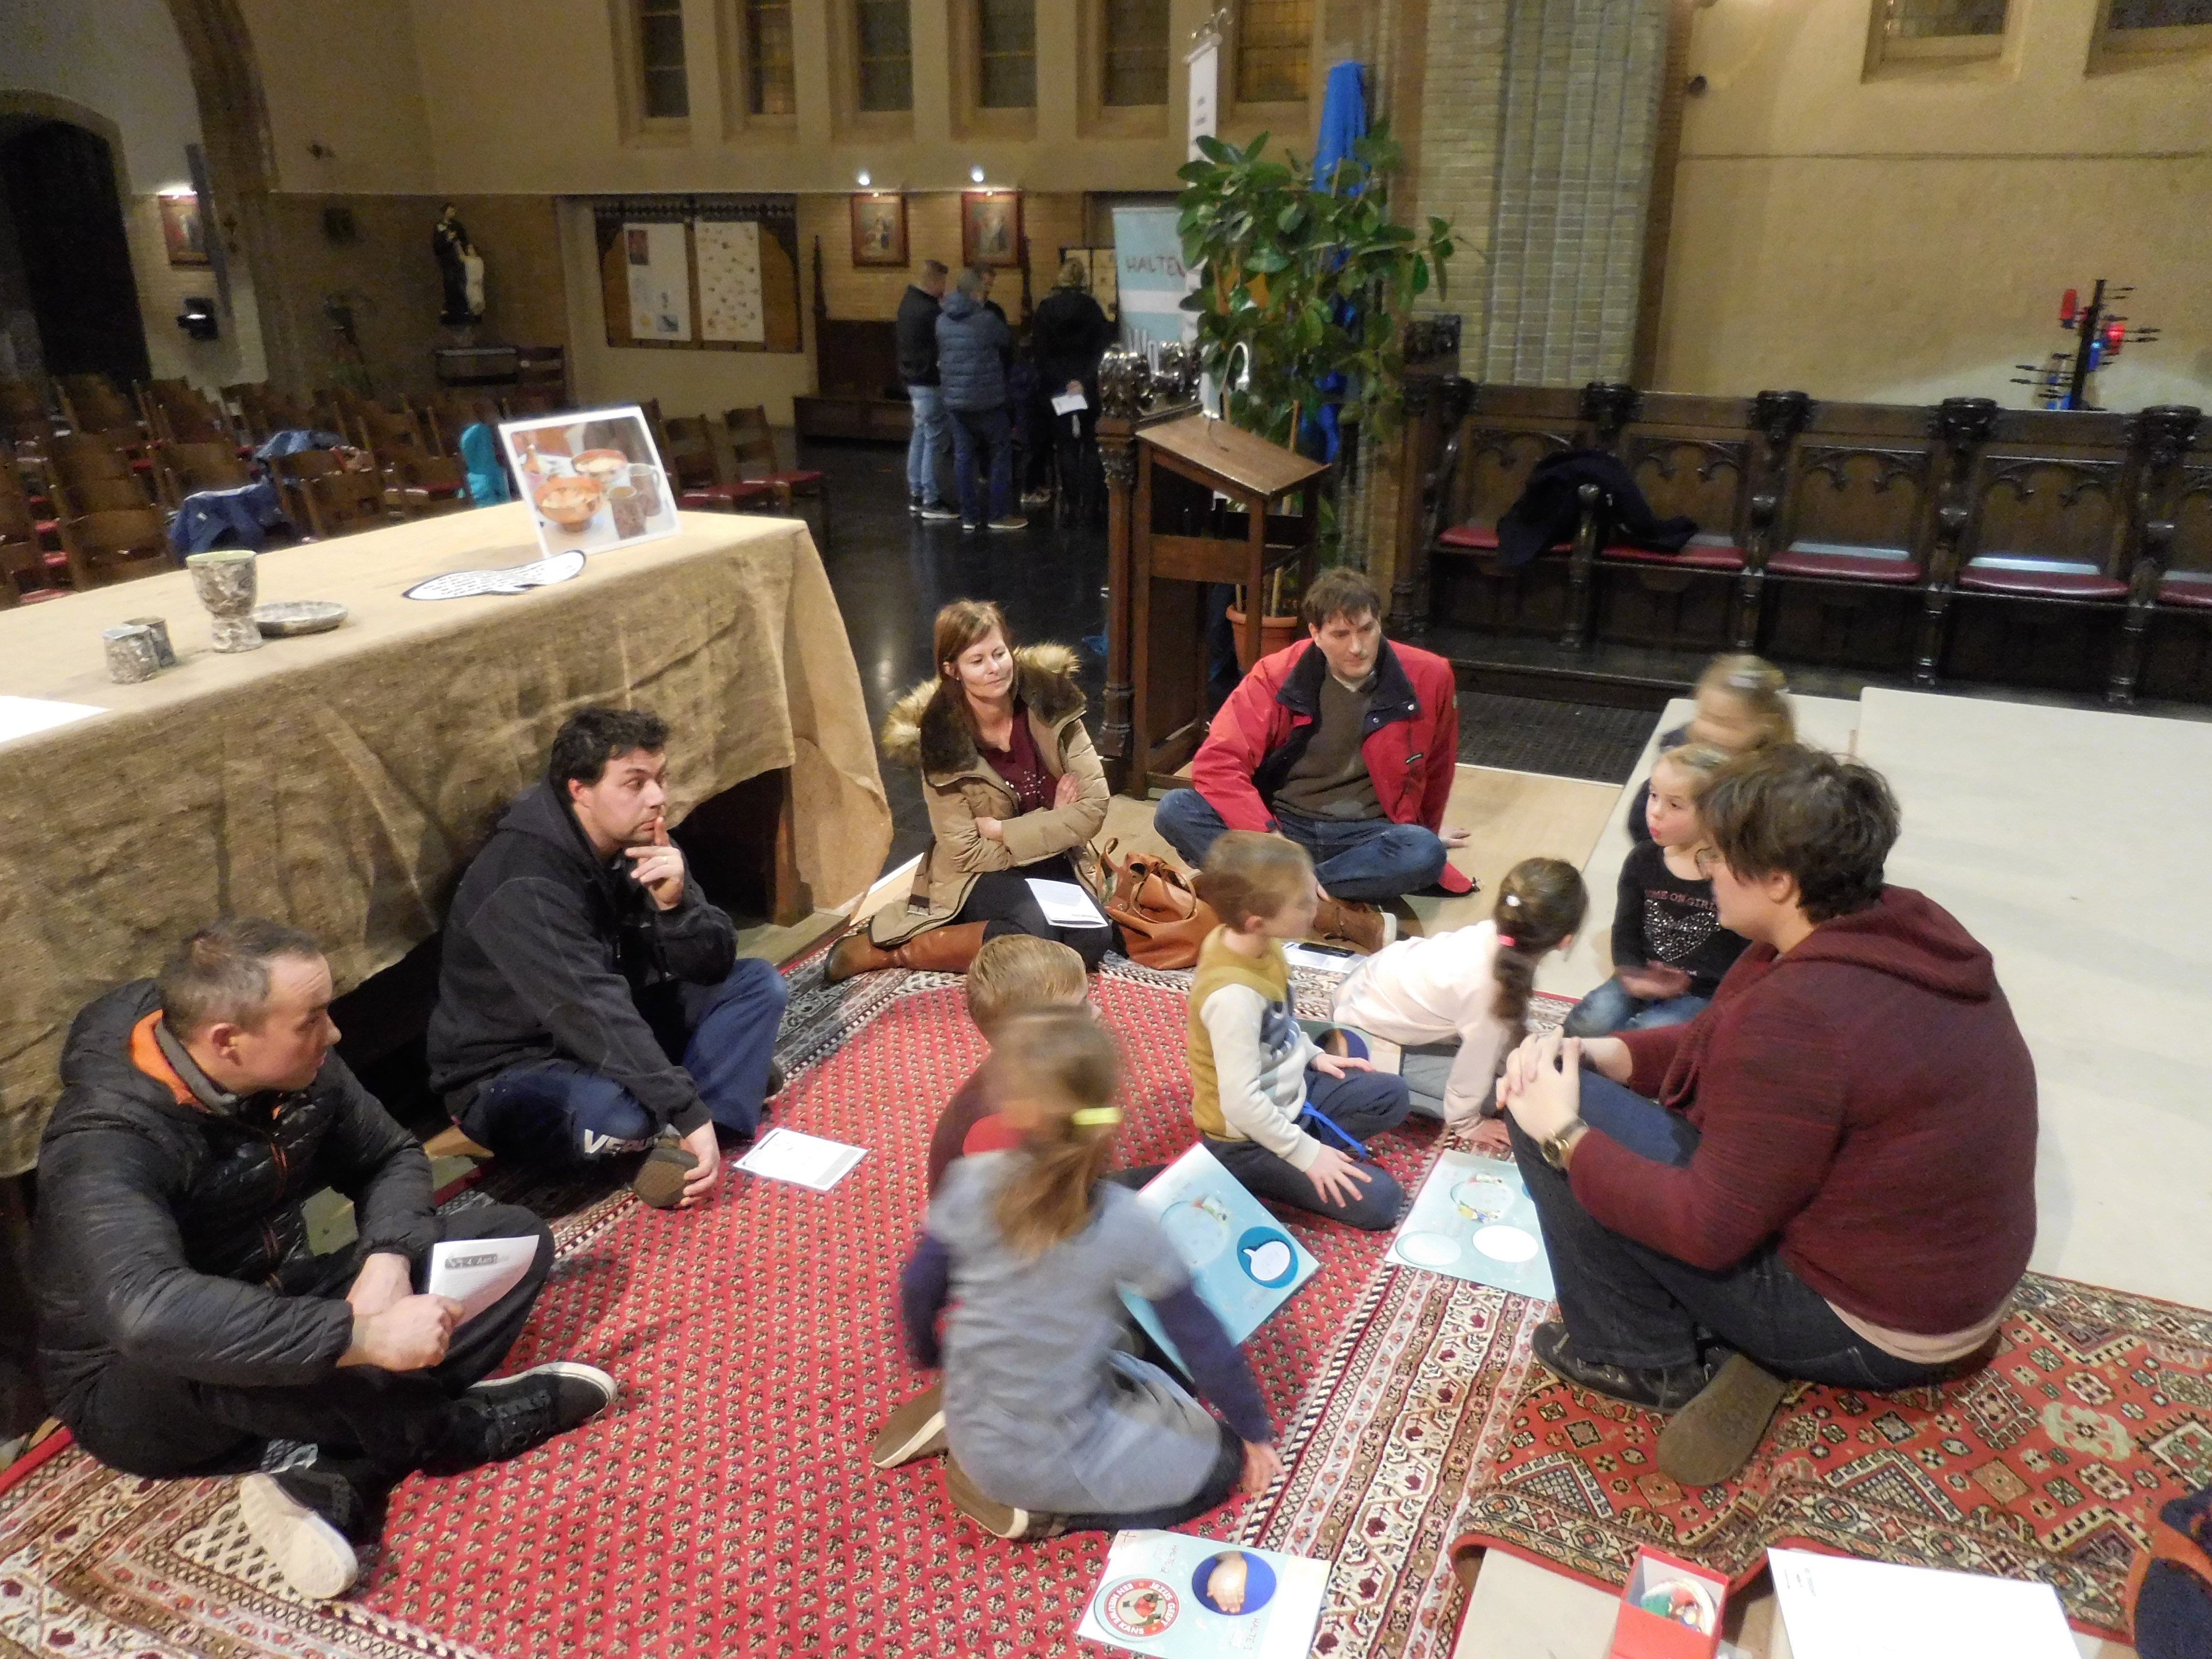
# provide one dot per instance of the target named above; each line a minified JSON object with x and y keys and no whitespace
{"x":1015,"y":793}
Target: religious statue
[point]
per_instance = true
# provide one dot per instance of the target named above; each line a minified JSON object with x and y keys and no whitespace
{"x":460,"y":268}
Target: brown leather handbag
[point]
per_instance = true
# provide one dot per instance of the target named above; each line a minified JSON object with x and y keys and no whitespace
{"x":1162,"y":922}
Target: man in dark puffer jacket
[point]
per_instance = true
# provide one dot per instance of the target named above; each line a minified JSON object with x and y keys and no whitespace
{"x":184,"y":1324}
{"x":591,"y":1001}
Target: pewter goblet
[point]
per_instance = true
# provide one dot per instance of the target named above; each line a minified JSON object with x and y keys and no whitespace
{"x":225,"y":581}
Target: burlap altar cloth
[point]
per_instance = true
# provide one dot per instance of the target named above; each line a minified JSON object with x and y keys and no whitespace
{"x":340,"y":782}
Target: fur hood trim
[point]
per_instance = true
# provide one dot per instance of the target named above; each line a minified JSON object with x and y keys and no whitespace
{"x":915,"y":734}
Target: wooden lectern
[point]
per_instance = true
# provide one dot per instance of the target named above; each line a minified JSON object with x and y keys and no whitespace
{"x":1181,"y":539}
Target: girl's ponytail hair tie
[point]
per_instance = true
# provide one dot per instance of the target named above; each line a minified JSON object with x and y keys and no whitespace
{"x":1508,"y":940}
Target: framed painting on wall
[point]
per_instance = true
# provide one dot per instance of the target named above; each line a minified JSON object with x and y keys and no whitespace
{"x":990,"y":227}
{"x":878,"y":230}
{"x":181,"y":229}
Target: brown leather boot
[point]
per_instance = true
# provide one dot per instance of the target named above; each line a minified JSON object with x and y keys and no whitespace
{"x":942,"y":950}
{"x":1364,"y":927}
{"x":855,"y":953}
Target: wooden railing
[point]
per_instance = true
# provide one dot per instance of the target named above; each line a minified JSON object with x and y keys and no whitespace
{"x":1835,"y":532}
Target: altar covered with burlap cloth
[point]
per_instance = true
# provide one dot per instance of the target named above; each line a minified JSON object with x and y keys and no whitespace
{"x":340,"y":782}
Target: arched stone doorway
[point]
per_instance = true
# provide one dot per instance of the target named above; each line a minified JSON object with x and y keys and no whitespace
{"x":65,"y":256}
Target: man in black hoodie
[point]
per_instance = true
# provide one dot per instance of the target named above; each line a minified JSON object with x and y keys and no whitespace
{"x":917,"y":365}
{"x":184,"y":1324}
{"x":590,"y":1000}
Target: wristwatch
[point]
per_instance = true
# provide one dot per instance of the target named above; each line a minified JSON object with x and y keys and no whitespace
{"x":1556,"y":1149}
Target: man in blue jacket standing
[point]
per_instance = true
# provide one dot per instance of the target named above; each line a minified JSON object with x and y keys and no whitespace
{"x":973,"y":345}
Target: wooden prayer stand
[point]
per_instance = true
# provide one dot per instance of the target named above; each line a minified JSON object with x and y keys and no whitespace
{"x":1170,"y":539}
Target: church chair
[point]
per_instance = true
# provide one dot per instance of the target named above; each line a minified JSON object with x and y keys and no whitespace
{"x":117,"y":545}
{"x":752,"y":440}
{"x":695,"y":464}
{"x":340,"y":503}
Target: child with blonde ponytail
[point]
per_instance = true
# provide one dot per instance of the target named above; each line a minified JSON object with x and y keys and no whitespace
{"x":1051,"y":1425}
{"x":1471,"y":985}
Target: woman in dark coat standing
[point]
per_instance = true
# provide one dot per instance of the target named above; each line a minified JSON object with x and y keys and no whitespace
{"x":1068,"y":336}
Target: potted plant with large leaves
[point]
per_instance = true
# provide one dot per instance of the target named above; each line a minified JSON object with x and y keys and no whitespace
{"x":1314,"y":280}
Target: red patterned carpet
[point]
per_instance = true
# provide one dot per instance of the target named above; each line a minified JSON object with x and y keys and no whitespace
{"x":2044,"y":1465}
{"x":726,"y":1507}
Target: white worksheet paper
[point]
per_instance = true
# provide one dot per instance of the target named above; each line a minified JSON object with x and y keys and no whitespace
{"x":1320,"y":961}
{"x":476,"y":1272}
{"x":1070,"y":403}
{"x":1065,"y":904}
{"x":1836,"y":1609}
{"x":804,"y":1160}
{"x":21,"y":716}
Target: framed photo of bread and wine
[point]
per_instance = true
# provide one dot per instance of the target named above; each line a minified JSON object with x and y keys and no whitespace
{"x":593,"y":480}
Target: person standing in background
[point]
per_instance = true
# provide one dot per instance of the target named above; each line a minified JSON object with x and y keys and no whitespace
{"x":917,"y":364}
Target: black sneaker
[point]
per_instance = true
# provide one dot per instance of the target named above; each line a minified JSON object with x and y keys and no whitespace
{"x":1009,"y":521}
{"x":500,"y":1419}
{"x":1666,"y":1390}
{"x":939,"y":512}
{"x":913,"y":503}
{"x":306,"y":1521}
{"x":775,"y":1080}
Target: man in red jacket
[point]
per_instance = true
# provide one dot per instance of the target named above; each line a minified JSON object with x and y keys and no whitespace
{"x":1829,"y":1174}
{"x":1345,"y":744}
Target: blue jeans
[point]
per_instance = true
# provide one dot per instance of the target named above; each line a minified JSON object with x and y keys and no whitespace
{"x":924,"y":450}
{"x":1357,"y":1104}
{"x":978,"y":435}
{"x":1367,"y":861}
{"x":1614,"y":1007}
{"x":559,"y":1109}
{"x":1628,"y":1304}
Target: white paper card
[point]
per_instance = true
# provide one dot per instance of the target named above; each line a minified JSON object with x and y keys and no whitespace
{"x":804,"y":1160}
{"x":1835,"y":1608}
{"x":1070,"y":403}
{"x":20,"y":716}
{"x":1320,"y":961}
{"x":476,"y":1272}
{"x":1065,"y":904}
{"x":1178,"y":1597}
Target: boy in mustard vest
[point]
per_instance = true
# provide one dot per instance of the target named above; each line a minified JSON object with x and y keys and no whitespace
{"x":1288,"y":1120}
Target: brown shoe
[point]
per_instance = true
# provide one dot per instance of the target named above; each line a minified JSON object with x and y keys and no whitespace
{"x":916,"y":1429}
{"x":661,"y":1179}
{"x":1714,"y":1435}
{"x":1363,"y":927}
{"x":999,"y":1520}
{"x":855,"y":953}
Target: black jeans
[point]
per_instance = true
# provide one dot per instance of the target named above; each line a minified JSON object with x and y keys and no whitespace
{"x":1628,"y":1304}
{"x":1002,"y":899}
{"x":379,"y":1426}
{"x":1220,"y":1481}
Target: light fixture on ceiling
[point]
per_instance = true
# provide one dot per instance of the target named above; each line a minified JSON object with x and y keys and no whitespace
{"x":865,"y":180}
{"x":975,"y":172}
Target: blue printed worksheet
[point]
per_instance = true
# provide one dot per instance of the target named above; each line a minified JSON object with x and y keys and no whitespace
{"x":1243,"y":1263}
{"x":1474,"y":1218}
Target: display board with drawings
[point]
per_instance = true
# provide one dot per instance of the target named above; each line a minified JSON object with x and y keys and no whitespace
{"x":700,"y":273}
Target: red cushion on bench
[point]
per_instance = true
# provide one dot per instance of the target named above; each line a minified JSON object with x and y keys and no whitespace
{"x":1844,"y":567}
{"x":1468,"y":535}
{"x":2190,"y":589}
{"x":1695,"y":555}
{"x":2044,"y":582}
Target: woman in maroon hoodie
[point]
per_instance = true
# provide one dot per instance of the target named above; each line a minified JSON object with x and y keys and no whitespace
{"x":1829,"y":1174}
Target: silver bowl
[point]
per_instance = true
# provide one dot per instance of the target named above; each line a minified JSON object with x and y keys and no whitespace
{"x":289,"y":616}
